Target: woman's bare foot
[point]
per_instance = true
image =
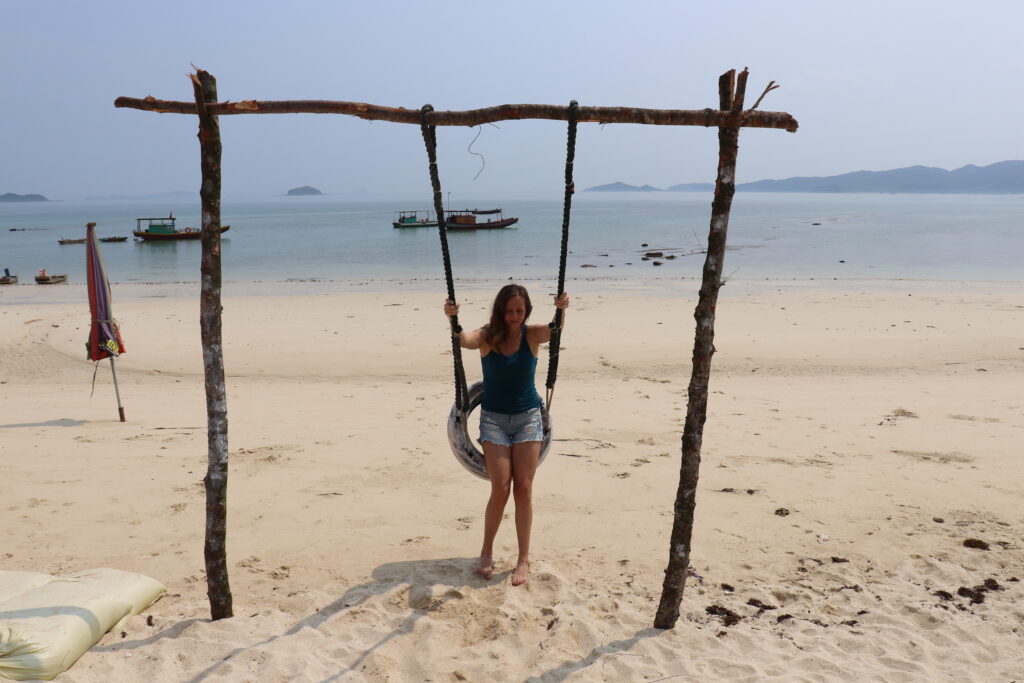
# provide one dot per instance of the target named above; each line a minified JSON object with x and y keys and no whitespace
{"x":521,"y":573}
{"x":485,"y":567}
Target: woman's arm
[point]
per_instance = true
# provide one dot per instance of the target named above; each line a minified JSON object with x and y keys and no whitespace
{"x":467,"y":340}
{"x":538,"y":334}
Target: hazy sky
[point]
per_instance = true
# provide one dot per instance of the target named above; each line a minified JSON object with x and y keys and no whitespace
{"x":875,"y":85}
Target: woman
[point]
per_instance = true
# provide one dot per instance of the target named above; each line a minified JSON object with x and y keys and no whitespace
{"x":511,"y":429}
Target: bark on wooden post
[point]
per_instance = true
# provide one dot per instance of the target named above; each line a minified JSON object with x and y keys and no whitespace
{"x":215,"y":551}
{"x":703,"y":348}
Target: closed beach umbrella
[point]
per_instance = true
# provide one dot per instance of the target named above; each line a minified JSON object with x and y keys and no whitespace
{"x":104,"y":337}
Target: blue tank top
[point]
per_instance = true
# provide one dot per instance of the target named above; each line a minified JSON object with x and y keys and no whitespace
{"x":508,"y":380}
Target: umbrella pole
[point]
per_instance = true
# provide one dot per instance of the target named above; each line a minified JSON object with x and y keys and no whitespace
{"x":117,"y":392}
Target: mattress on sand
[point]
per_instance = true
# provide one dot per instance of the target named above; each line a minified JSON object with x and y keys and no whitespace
{"x":48,"y":622}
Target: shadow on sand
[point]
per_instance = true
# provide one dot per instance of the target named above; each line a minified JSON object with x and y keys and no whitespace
{"x":63,"y":422}
{"x":421,"y":577}
{"x":454,"y":573}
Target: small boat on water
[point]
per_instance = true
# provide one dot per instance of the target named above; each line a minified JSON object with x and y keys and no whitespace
{"x":7,"y":278}
{"x":415,"y":219}
{"x":71,"y":241}
{"x":461,"y":219}
{"x":44,"y":279}
{"x":115,"y":238}
{"x":465,"y":219}
{"x":164,"y":229}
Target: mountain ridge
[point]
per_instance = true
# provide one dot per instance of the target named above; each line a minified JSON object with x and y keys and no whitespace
{"x":1002,"y":177}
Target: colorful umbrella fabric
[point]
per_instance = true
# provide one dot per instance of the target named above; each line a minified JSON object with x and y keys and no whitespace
{"x":104,"y":337}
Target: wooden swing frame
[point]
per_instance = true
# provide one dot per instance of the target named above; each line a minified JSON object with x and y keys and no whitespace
{"x":729,"y":118}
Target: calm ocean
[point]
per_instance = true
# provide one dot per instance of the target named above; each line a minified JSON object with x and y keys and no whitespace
{"x":970,"y":237}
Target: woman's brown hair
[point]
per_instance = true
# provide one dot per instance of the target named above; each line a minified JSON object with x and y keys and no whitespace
{"x":495,"y":331}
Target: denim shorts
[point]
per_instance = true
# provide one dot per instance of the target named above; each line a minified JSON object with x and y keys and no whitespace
{"x":505,"y":430}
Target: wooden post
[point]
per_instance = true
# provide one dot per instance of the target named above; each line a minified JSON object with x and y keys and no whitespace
{"x":215,"y":551}
{"x":703,"y":348}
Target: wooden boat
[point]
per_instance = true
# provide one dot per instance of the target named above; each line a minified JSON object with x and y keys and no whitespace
{"x":115,"y":238}
{"x":415,"y":219}
{"x":44,"y":279}
{"x":7,"y":278}
{"x":71,"y":241}
{"x":165,"y":229}
{"x":465,"y":219}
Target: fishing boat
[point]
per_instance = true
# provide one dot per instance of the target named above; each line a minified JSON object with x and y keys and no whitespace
{"x":415,"y":219}
{"x":8,"y":279}
{"x":164,"y":229}
{"x":115,"y":238}
{"x":71,"y":241}
{"x":44,"y":279}
{"x":465,"y":219}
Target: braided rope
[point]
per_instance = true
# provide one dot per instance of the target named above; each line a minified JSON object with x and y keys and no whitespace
{"x":430,"y":140}
{"x":556,"y":325}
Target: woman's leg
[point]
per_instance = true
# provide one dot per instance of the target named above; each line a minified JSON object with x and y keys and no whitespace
{"x":499,"y":471}
{"x":525,"y":457}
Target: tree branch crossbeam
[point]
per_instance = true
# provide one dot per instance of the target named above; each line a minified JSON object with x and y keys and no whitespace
{"x":751,"y":118}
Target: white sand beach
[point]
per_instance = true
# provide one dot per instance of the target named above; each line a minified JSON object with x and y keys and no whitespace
{"x":859,"y":431}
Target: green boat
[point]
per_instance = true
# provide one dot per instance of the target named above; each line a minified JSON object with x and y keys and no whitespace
{"x":162,"y":229}
{"x":415,"y":219}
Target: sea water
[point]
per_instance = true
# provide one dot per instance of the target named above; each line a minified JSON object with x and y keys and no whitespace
{"x":326,"y":238}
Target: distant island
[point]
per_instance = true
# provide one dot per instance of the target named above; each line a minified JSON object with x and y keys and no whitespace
{"x":305,"y":190}
{"x":11,"y":197}
{"x":1004,"y":177}
{"x":623,"y":187}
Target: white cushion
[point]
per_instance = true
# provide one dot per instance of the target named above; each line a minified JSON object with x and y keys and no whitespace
{"x":46,"y":626}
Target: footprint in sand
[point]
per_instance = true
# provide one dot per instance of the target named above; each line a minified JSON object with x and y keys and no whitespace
{"x":266,"y":454}
{"x":415,"y":539}
{"x":251,"y":563}
{"x":934,"y":457}
{"x":895,"y":415}
{"x":971,"y":418}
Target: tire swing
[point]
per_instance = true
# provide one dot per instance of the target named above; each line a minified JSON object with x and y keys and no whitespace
{"x":468,"y":398}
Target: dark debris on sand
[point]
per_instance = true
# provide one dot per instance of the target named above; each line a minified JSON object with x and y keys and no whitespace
{"x":729,"y":618}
